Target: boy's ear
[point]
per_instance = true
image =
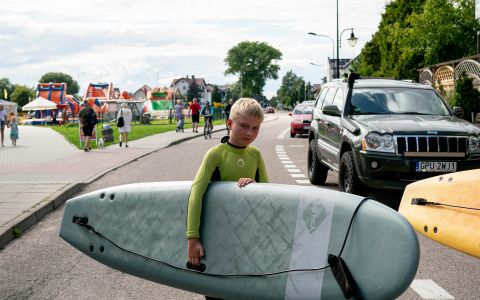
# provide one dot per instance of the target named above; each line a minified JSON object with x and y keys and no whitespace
{"x":229,"y":123}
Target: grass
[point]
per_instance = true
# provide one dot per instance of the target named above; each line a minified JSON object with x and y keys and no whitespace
{"x":138,"y":131}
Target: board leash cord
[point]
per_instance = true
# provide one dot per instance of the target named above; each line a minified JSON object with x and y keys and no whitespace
{"x":335,"y":262}
{"x":424,"y":202}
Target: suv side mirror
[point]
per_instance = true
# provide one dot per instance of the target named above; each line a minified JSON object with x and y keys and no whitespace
{"x":331,"y":110}
{"x":458,"y":111}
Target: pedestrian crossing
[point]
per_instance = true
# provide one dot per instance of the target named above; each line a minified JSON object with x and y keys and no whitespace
{"x":425,"y":288}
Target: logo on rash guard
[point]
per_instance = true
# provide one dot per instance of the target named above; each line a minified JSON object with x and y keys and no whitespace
{"x":241,"y":163}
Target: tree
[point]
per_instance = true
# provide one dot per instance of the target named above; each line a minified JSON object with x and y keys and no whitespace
{"x":255,"y":64}
{"x":416,"y":33}
{"x":466,"y":96}
{"x":216,"y":95}
{"x":292,"y":90}
{"x":22,"y":94}
{"x":59,"y":77}
{"x":193,"y":90}
{"x":6,"y":85}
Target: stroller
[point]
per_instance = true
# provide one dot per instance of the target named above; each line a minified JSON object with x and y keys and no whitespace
{"x":180,"y":125}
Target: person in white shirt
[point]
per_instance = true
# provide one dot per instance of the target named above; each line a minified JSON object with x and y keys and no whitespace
{"x":126,"y":113}
{"x":3,"y":121}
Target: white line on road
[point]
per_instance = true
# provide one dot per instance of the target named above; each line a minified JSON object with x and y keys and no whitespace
{"x":428,"y":289}
{"x":282,"y":134}
{"x":294,"y":170}
{"x":290,"y":166}
{"x":296,"y":146}
{"x":303,"y":181}
{"x":286,"y":162}
{"x":298,"y":175}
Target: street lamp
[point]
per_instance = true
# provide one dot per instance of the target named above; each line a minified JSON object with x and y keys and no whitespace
{"x":333,"y":45}
{"x":352,"y":41}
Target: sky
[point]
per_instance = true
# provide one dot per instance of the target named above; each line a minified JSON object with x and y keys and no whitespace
{"x":132,"y":43}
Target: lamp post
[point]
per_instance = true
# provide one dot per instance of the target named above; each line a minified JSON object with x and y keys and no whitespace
{"x":333,"y":45}
{"x":324,"y":79}
{"x":352,"y":41}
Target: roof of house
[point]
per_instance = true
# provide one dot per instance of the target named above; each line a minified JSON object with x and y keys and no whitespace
{"x":198,"y":81}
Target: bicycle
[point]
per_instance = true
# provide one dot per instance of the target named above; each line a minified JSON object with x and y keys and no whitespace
{"x":207,"y":129}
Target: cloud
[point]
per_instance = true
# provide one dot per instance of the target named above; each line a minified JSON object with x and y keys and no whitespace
{"x":151,"y":42}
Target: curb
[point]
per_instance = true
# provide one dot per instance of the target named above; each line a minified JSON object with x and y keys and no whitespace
{"x":32,"y":216}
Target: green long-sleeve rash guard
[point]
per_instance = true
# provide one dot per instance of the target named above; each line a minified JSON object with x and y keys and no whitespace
{"x":225,"y":163}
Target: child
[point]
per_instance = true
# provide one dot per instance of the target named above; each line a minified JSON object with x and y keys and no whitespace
{"x":234,"y":160}
{"x":13,"y":130}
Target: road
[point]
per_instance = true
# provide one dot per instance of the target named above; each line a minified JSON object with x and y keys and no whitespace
{"x":40,"y":265}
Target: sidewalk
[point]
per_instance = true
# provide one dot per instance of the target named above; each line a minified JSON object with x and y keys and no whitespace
{"x":44,"y":171}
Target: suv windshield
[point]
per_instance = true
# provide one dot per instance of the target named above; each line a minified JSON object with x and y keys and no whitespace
{"x":397,"y":101}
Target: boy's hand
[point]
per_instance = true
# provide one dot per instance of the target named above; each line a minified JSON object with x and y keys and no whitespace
{"x":195,"y":251}
{"x":244,"y":181}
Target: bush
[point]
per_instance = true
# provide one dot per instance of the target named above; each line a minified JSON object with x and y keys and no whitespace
{"x":466,"y":96}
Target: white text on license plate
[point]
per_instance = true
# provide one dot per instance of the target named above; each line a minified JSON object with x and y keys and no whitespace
{"x":436,"y":166}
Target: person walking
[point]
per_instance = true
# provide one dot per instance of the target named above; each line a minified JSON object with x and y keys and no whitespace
{"x":3,"y":121}
{"x":179,"y":115}
{"x":194,"y":111}
{"x":126,"y":113}
{"x":88,"y":119}
{"x":12,"y":123}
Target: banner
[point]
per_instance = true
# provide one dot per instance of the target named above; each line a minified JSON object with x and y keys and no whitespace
{"x":161,"y":105}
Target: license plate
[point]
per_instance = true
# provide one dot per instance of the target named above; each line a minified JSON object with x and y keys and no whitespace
{"x":306,"y":127}
{"x":436,"y":166}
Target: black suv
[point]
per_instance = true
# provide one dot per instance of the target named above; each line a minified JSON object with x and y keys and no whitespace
{"x":385,"y":134}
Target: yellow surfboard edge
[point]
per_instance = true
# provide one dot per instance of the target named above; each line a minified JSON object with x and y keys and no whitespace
{"x":457,"y":228}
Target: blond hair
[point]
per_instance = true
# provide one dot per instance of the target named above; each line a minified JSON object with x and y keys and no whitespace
{"x":246,"y":107}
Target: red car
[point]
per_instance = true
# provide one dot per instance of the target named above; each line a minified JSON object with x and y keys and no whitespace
{"x":269,"y":110}
{"x":301,"y":119}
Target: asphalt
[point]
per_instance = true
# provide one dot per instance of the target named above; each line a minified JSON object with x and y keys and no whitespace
{"x":44,"y":171}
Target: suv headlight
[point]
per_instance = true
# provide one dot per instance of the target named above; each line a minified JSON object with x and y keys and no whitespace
{"x":473,"y":144}
{"x":374,"y":141}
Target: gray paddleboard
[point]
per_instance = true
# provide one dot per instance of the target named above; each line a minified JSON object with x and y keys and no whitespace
{"x":263,"y":241}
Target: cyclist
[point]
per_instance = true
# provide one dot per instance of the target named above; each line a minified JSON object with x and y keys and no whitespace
{"x":207,"y":113}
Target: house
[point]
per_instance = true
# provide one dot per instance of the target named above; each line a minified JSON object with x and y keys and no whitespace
{"x":344,"y":67}
{"x":142,"y":92}
{"x":183,"y":84}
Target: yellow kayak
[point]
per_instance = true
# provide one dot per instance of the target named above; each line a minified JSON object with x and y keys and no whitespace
{"x":446,"y":208}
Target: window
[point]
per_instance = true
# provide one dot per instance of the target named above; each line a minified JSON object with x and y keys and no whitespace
{"x":338,"y":100}
{"x":329,"y":97}
{"x":321,"y":97}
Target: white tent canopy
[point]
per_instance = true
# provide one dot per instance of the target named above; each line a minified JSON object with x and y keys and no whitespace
{"x":9,"y":106}
{"x":40,"y":104}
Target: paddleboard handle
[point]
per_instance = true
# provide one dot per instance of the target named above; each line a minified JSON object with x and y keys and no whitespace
{"x":199,"y":268}
{"x":341,"y":274}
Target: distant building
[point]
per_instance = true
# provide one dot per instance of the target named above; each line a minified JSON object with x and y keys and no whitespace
{"x":142,"y":92}
{"x":183,"y":84}
{"x":344,"y":65}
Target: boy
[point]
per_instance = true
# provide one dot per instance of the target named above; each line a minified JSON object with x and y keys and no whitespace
{"x":234,"y":160}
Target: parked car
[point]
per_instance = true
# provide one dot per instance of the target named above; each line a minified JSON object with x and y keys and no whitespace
{"x":301,"y":119}
{"x":269,"y":110}
{"x":386,"y":135}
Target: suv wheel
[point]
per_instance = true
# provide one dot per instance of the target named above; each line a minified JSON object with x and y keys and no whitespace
{"x":317,"y":172}
{"x":348,"y":181}
{"x":292,"y":135}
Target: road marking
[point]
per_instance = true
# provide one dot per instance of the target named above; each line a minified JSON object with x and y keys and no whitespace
{"x":302,"y":181}
{"x":296,"y":146}
{"x":428,"y":289}
{"x":298,"y":176}
{"x":282,"y":134}
{"x":289,"y":166}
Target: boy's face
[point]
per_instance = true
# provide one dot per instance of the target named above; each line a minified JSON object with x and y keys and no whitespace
{"x":243,"y":130}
